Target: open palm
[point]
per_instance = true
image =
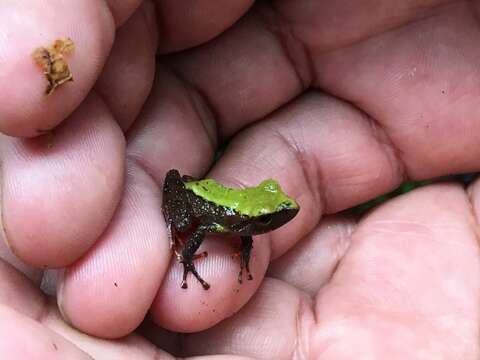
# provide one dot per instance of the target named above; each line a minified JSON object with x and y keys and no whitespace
{"x":339,"y":102}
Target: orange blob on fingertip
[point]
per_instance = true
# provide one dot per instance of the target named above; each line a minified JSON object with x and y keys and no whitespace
{"x":52,"y":61}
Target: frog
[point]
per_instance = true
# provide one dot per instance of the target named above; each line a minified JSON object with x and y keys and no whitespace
{"x":195,"y":208}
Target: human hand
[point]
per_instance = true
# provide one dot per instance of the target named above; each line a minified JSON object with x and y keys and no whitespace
{"x":405,"y":275}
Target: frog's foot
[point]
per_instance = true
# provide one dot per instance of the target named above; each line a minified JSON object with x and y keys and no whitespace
{"x":189,"y":267}
{"x":245,"y":258}
{"x":244,"y":265}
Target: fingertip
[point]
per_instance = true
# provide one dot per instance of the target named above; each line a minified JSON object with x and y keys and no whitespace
{"x":116,"y":281}
{"x":25,"y":109}
{"x":38,"y":341}
{"x":56,"y":201}
{"x":195,"y":309}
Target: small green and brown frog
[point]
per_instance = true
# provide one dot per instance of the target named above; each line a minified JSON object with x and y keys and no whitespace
{"x":200,"y":207}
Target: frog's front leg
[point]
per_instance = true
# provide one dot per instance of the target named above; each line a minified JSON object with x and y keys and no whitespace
{"x":188,"y":255}
{"x":247,"y":244}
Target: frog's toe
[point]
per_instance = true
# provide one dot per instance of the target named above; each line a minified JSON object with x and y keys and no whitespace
{"x":249,"y":274}
{"x":205,"y":285}
{"x":240,"y":276}
{"x":189,"y":267}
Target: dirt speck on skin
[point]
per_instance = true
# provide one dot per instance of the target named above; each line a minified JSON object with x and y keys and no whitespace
{"x":52,"y":61}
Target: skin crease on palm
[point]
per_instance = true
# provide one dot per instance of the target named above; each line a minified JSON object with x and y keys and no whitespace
{"x":339,"y":101}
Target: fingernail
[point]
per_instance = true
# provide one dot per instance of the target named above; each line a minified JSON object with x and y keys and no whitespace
{"x":2,"y":218}
{"x":60,"y":296}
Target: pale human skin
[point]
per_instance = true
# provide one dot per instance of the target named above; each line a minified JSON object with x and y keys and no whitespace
{"x":393,"y":95}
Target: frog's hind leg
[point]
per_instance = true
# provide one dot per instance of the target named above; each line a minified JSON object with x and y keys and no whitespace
{"x":247,"y":244}
{"x":188,"y":255}
{"x":176,"y":242}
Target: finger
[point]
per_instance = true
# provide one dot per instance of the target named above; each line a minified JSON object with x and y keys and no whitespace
{"x":18,"y":329}
{"x":196,"y":309}
{"x":431,"y":129}
{"x":25,"y":110}
{"x":158,"y":143}
{"x":240,"y":80}
{"x":57,"y":201}
{"x":317,"y":25}
{"x":188,"y":23}
{"x":27,"y":317}
{"x":311,"y":263}
{"x":173,"y":131}
{"x":273,"y":325}
{"x":18,"y":293}
{"x":115,"y":283}
{"x":132,"y":256}
{"x":393,"y":66}
{"x":34,"y":274}
{"x":127,"y":77}
{"x":20,"y":304}
{"x":412,"y":271}
{"x":325,"y":173}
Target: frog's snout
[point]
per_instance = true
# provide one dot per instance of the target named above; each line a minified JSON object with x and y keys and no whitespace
{"x":290,"y":214}
{"x":269,"y":222}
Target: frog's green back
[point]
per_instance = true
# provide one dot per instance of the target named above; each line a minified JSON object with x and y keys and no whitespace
{"x":263,"y":199}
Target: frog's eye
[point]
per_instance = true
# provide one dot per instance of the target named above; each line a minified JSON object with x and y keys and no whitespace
{"x":265,"y":219}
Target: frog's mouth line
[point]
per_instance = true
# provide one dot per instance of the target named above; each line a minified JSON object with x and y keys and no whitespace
{"x":262,"y":224}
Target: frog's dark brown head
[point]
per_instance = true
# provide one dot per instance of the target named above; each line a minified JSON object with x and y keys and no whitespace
{"x":268,"y":222}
